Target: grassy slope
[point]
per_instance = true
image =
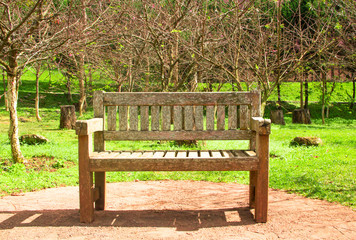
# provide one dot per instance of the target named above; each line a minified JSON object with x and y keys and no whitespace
{"x":326,"y":172}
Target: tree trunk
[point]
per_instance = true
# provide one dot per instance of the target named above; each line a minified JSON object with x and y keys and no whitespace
{"x":327,"y":111}
{"x":90,"y":81}
{"x":37,"y":98}
{"x":81,"y":78}
{"x":301,"y":116}
{"x":263,"y":107}
{"x":323,"y":79}
{"x":147,"y":80}
{"x":279,"y":98}
{"x":12,"y":93}
{"x":68,"y":85}
{"x":5,"y":94}
{"x":131,"y":81}
{"x":301,"y":92}
{"x":68,"y":117}
{"x":306,"y":88}
{"x":353,"y":90}
{"x":175,"y":52}
{"x":49,"y":75}
{"x":277,"y":117}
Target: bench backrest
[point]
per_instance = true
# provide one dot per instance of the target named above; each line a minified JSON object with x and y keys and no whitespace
{"x":176,"y":116}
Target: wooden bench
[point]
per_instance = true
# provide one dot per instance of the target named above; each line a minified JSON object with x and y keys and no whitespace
{"x":173,"y":116}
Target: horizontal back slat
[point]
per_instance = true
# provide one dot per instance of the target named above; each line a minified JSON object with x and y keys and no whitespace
{"x":178,"y":98}
{"x":178,"y":135}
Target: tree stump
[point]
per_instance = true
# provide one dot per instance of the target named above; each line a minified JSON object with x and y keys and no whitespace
{"x":301,"y":116}
{"x":68,"y":117}
{"x":277,"y":117}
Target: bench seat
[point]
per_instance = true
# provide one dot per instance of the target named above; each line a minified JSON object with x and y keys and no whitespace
{"x":189,"y":160}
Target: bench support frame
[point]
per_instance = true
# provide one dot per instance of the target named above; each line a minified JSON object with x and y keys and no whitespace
{"x":92,"y":185}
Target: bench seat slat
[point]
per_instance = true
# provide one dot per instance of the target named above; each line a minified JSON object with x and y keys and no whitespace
{"x":147,"y":154}
{"x":158,"y":154}
{"x":204,"y":154}
{"x":178,"y":135}
{"x":181,"y":154}
{"x":171,"y":161}
{"x":192,"y":154}
{"x":170,"y":154}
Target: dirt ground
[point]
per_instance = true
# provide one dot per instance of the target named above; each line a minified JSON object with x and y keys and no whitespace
{"x":172,"y":210}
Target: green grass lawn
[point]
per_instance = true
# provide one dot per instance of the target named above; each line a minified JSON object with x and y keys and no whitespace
{"x":326,"y":172}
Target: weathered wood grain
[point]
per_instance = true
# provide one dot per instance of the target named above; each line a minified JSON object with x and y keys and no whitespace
{"x":174,"y":164}
{"x":188,"y":118}
{"x":220,"y":115}
{"x":215,"y":154}
{"x":86,"y":127}
{"x":261,"y":126}
{"x":188,"y":125}
{"x":250,"y":153}
{"x":99,"y":145}
{"x":177,"y":98}
{"x":166,"y":118}
{"x":133,"y":118}
{"x":262,"y":179}
{"x":158,"y":154}
{"x":199,"y":118}
{"x":244,"y":116}
{"x":255,"y":112}
{"x":144,"y":113}
{"x":99,"y":112}
{"x":205,"y":154}
{"x":232,"y":117}
{"x":182,"y":154}
{"x":210,"y":117}
{"x":192,"y":154}
{"x":255,"y":97}
{"x":98,"y":104}
{"x":123,"y":121}
{"x":155,"y":117}
{"x":170,"y":154}
{"x":177,"y":118}
{"x":179,"y":135}
{"x":85,"y":180}
{"x":112,"y":112}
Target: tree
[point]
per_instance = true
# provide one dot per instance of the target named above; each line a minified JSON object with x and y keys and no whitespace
{"x":28,"y":29}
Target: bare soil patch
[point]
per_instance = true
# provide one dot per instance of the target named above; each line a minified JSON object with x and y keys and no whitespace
{"x":172,"y":210}
{"x":39,"y":163}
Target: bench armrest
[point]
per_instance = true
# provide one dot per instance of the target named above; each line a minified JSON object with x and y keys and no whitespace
{"x":86,"y":127}
{"x":261,"y":126}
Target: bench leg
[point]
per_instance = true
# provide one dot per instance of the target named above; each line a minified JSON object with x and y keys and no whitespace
{"x":100,"y":183}
{"x":86,"y":199}
{"x":261,"y":190}
{"x":252,"y":189}
{"x":85,"y":181}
